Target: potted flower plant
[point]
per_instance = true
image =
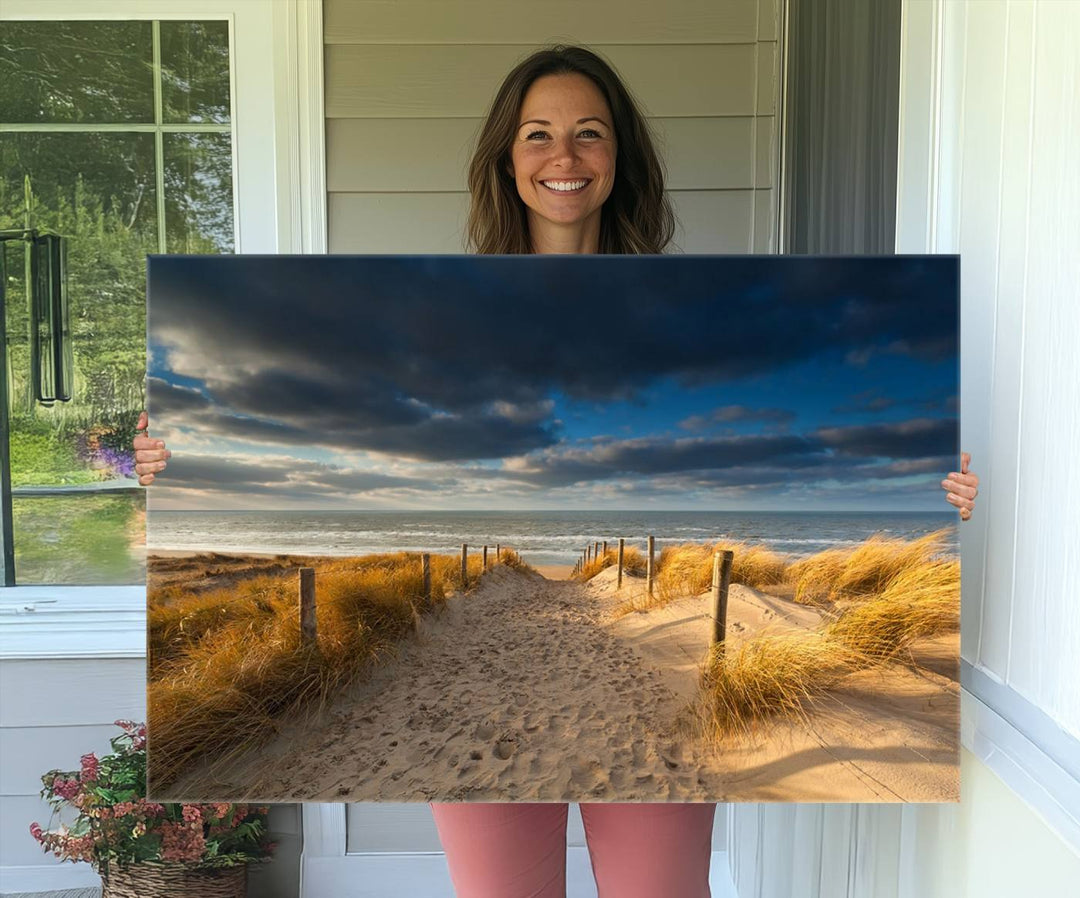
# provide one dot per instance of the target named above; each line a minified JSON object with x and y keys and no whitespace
{"x":142,"y":848}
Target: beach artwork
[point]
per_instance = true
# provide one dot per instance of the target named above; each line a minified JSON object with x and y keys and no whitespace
{"x":553,"y":528}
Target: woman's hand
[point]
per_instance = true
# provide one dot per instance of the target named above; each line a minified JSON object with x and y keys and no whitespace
{"x":962,"y":487}
{"x":150,"y":454}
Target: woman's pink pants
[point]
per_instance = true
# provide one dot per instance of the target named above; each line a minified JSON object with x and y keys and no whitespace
{"x":518,"y":850}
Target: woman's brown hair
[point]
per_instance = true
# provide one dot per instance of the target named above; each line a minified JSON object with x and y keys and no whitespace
{"x":637,"y":216}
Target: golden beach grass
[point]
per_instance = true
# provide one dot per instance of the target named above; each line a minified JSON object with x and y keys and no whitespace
{"x":864,"y":570}
{"x":687,"y":570}
{"x":634,"y":563}
{"x":771,"y":675}
{"x":228,"y":662}
{"x":919,"y":601}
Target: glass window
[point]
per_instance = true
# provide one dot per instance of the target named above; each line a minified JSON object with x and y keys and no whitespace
{"x":116,"y":135}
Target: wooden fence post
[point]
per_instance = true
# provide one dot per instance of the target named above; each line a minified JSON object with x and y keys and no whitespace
{"x":622,"y":546}
{"x":483,"y":566}
{"x":596,"y":550}
{"x":464,"y":565}
{"x":498,"y":553}
{"x":650,"y":572}
{"x":722,"y":562}
{"x":425,"y":570}
{"x":605,"y":550}
{"x":588,"y":554}
{"x":308,"y":627}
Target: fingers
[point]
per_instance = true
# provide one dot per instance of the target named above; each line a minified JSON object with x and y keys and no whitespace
{"x":144,"y":421}
{"x":962,"y":485}
{"x":962,"y":503}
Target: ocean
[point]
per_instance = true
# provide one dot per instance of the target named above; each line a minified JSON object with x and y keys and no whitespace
{"x":541,"y":537}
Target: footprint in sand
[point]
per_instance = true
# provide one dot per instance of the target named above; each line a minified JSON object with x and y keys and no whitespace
{"x":504,"y":748}
{"x":672,"y":757}
{"x":484,"y":731}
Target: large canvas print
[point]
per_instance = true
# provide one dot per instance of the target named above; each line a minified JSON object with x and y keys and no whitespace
{"x":553,"y":528}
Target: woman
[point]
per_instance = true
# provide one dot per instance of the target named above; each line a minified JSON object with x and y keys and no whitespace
{"x":565,"y":164}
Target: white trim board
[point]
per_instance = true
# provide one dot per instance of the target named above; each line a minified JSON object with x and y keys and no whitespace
{"x":38,"y":622}
{"x":1044,"y":785}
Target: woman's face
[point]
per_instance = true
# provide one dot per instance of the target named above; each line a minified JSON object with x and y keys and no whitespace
{"x":563,"y":154}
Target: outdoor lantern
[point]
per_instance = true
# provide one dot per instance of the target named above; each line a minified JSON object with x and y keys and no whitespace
{"x":50,"y":329}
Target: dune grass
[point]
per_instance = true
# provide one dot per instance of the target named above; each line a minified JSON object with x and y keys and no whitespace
{"x":772,"y":675}
{"x":919,"y":601}
{"x":862,"y":571}
{"x":225,"y":663}
{"x":634,"y":563}
{"x":687,"y":570}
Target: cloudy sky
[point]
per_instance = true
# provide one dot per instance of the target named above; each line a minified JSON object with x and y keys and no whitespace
{"x":555,"y":382}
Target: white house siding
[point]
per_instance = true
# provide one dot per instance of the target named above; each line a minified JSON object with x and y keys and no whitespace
{"x":407,"y":86}
{"x":990,"y":137}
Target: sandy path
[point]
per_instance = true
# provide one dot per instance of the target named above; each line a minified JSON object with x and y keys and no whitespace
{"x":530,"y":689}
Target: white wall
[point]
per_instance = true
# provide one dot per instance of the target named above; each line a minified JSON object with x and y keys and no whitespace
{"x":407,"y":85}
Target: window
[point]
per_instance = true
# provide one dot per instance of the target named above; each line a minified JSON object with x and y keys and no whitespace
{"x":116,"y":135}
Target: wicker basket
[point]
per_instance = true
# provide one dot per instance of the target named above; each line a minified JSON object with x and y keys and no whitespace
{"x":171,"y":880}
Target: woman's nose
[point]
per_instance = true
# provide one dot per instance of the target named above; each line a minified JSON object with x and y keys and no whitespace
{"x":564,"y":149}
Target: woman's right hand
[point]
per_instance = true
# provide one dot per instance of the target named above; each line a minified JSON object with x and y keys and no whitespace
{"x":150,"y":455}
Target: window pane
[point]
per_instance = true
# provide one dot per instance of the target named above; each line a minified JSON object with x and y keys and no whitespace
{"x":85,"y":540}
{"x":76,"y":72}
{"x":97,"y":190}
{"x":195,"y":71}
{"x":198,"y":193}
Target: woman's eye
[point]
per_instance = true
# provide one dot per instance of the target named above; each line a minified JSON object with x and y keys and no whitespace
{"x":533,"y":134}
{"x":589,"y":131}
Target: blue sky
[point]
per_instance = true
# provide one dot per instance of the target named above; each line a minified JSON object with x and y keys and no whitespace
{"x":585,"y":382}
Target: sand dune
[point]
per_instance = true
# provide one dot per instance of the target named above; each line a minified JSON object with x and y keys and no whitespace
{"x":533,"y":689}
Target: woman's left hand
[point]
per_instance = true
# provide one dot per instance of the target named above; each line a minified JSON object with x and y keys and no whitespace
{"x":962,"y":487}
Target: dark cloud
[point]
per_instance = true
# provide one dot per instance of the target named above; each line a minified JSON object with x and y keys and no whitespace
{"x":918,"y":437}
{"x":451,"y":357}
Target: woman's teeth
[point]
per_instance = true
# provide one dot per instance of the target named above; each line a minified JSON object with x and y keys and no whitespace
{"x":564,"y":186}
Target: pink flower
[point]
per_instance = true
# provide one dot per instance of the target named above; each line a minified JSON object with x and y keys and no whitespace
{"x":89,"y":767}
{"x":36,"y":831}
{"x":192,"y":814}
{"x":65,"y":788}
{"x":181,"y":842}
{"x":150,"y":808}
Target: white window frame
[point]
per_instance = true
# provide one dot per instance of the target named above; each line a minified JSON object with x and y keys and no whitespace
{"x":279,"y":205}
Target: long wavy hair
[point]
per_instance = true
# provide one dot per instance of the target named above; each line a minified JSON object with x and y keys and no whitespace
{"x":637,"y":216}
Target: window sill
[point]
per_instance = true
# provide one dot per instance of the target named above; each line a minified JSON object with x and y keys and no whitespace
{"x":73,"y":622}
